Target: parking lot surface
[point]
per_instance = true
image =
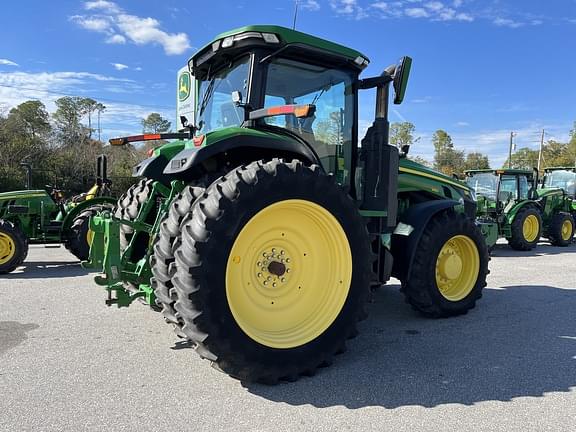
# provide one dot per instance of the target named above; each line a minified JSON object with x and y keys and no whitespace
{"x":68,"y":362}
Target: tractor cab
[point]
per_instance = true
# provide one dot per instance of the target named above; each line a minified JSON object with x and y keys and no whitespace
{"x":560,"y":178}
{"x":498,"y":190}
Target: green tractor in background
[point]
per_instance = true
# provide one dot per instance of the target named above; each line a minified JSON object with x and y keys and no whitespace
{"x":561,"y":178}
{"x":261,"y":229}
{"x":45,"y":217}
{"x":509,"y":199}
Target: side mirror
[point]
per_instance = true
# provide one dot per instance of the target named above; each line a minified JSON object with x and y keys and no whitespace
{"x":401,"y":78}
{"x":404,"y":150}
{"x":237,"y":98}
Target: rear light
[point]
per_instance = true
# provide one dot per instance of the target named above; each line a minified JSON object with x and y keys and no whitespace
{"x":270,"y":38}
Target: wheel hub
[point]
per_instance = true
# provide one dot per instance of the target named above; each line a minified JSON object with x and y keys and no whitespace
{"x":7,"y":248}
{"x":530,"y":228}
{"x":566,"y":230}
{"x":450,"y":265}
{"x":273,"y":267}
{"x":457,"y":268}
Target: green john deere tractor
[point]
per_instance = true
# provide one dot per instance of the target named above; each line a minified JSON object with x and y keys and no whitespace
{"x":45,"y":217}
{"x":261,"y":229}
{"x":509,"y":198}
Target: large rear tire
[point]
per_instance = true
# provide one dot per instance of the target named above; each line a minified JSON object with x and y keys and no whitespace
{"x":13,"y":247}
{"x":561,"y":230}
{"x":79,"y":239}
{"x":526,"y":229}
{"x":449,"y":268}
{"x":273,"y":271}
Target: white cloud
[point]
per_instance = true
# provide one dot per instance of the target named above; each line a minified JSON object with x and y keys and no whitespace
{"x":143,"y":31}
{"x":311,"y":5}
{"x":462,"y":124}
{"x":116,"y":39}
{"x":106,"y":6}
{"x":506,"y":22}
{"x":102,"y":25}
{"x":435,"y":6}
{"x":383,"y":6}
{"x":7,"y":62}
{"x":416,"y":13}
{"x":119,"y":66}
{"x":121,"y":27}
{"x":349,"y":8}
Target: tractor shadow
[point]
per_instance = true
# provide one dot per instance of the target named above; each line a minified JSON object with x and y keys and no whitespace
{"x":520,"y":341}
{"x":502,"y":250}
{"x":47,"y":270}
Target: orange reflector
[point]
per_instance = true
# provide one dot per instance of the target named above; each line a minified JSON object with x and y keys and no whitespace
{"x":198,"y":140}
{"x":150,"y":152}
{"x":116,"y":141}
{"x":302,"y":111}
{"x":283,"y":109}
{"x":148,"y":137}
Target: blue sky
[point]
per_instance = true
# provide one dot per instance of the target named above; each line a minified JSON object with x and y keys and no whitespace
{"x":482,"y":68}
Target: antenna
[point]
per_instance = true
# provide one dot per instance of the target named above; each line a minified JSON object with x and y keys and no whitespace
{"x":295,"y":14}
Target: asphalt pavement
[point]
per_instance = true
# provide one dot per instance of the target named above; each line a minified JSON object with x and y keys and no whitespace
{"x":70,"y":363}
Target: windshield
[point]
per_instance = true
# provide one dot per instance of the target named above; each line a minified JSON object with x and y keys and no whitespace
{"x":561,"y":179}
{"x":484,"y":184}
{"x":329,"y":130}
{"x":215,"y":107}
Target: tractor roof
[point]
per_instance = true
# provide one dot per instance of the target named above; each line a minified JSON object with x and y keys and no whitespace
{"x":560,"y":169}
{"x":507,"y":171}
{"x":286,"y":36}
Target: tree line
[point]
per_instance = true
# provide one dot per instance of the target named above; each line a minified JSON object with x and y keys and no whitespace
{"x":62,"y":147}
{"x":450,"y":160}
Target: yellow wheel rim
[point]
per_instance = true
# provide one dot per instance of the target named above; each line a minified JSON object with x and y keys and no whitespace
{"x":89,"y":237}
{"x":7,"y":248}
{"x":567,"y":230}
{"x":288,"y":274}
{"x":457,"y":268}
{"x":531,"y":228}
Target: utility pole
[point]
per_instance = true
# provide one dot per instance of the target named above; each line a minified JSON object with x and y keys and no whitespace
{"x":510,"y":150}
{"x":541,"y":149}
{"x":295,"y":14}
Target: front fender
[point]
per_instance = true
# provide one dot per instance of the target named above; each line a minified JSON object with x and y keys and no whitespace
{"x":409,"y":231}
{"x":511,"y":214}
{"x":71,"y":215}
{"x":190,"y":158}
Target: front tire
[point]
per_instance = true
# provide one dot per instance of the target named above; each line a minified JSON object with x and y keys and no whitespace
{"x":449,"y":268}
{"x":13,"y":247}
{"x":79,"y":239}
{"x":273,"y":271}
{"x":526,"y":229}
{"x":561,"y":230}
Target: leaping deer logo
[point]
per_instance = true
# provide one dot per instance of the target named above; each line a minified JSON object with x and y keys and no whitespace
{"x":184,"y":87}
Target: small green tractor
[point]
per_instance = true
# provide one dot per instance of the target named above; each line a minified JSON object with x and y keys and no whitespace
{"x":260,"y":230}
{"x":45,"y":217}
{"x":519,"y":211}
